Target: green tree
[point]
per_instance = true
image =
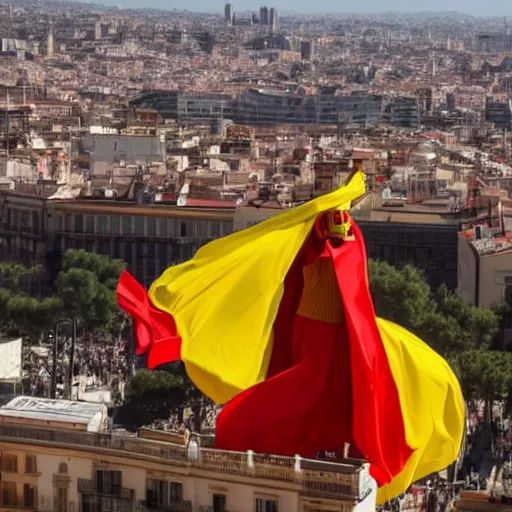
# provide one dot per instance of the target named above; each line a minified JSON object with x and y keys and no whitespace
{"x":150,"y":396}
{"x":31,"y":317}
{"x":12,"y":275}
{"x":441,"y":319}
{"x":86,"y":285}
{"x":484,"y":375}
{"x":402,"y":296}
{"x":20,"y":313}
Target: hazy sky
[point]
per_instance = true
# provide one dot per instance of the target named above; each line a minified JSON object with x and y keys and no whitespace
{"x":474,"y":7}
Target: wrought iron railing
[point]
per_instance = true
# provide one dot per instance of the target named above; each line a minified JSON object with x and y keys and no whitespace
{"x":171,"y":506}
{"x":315,"y":478}
{"x":86,"y":486}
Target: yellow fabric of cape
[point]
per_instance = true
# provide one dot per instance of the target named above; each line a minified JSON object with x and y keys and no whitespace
{"x":225,"y":301}
{"x":226,"y":298}
{"x":432,"y":404}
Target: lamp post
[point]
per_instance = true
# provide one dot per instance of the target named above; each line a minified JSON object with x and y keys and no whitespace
{"x":53,"y":391}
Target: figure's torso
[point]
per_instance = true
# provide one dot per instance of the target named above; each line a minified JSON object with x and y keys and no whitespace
{"x":321,"y":299}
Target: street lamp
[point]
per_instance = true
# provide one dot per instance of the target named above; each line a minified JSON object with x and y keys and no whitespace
{"x":53,"y":391}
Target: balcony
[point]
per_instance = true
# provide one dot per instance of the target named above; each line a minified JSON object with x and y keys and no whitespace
{"x":313,"y":478}
{"x":115,"y":491}
{"x":172,"y":506}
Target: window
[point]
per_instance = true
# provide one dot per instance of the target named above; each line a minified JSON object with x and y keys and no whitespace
{"x":228,"y":228}
{"x":103,"y":225}
{"x":139,"y":225}
{"x":79,"y":223}
{"x":215,"y":229}
{"x":89,"y":224}
{"x":114,"y":225}
{"x":61,"y":500}
{"x":30,"y":464}
{"x":109,"y":482}
{"x":29,"y":496}
{"x":508,"y":295}
{"x":176,"y":491}
{"x":10,"y":463}
{"x":14,"y":218}
{"x":219,"y":503}
{"x":69,"y":223}
{"x":265,"y":505}
{"x":9,"y":494}
{"x":58,"y":222}
{"x":35,"y":221}
{"x":127,"y":225}
{"x":183,"y":229}
{"x":162,"y":227}
{"x":151,"y":226}
{"x":161,"y":493}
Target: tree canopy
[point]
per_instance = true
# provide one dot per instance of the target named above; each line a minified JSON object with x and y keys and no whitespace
{"x":465,"y":335}
{"x":84,"y":291}
{"x":86,"y":285}
{"x":150,"y":396}
{"x":442,"y":319}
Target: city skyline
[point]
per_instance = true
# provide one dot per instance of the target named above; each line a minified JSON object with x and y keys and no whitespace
{"x":492,"y":8}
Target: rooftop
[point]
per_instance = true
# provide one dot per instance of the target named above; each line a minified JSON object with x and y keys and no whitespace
{"x":312,"y":478}
{"x":44,"y":411}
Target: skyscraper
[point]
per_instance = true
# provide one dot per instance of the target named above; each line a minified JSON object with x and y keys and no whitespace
{"x":228,"y":13}
{"x":273,"y":19}
{"x":50,"y":43}
{"x":264,"y":15}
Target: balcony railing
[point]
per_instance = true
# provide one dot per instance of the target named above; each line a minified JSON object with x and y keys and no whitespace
{"x":172,"y":506}
{"x":18,"y":503}
{"x":91,"y":487}
{"x":316,"y":478}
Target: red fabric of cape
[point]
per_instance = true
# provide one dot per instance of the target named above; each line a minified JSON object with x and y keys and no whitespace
{"x":325,"y":385}
{"x":342,"y":377}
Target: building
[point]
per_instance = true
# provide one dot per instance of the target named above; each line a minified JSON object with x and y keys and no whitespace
{"x":264,"y":19}
{"x":41,"y":412}
{"x":186,"y":106}
{"x":148,"y":238}
{"x":272,"y":21}
{"x":307,"y":49}
{"x":422,"y":236}
{"x":402,"y":111}
{"x":105,"y":150}
{"x":499,"y":113}
{"x":59,"y":468}
{"x":228,"y":13}
{"x":485,"y":268}
{"x":50,"y":43}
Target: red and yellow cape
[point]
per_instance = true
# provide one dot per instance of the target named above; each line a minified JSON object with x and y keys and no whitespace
{"x":228,"y":313}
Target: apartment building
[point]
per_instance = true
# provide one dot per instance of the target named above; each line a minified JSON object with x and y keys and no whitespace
{"x":149,"y":238}
{"x":402,"y":111}
{"x":267,"y":107}
{"x":105,"y":150}
{"x":499,"y":113}
{"x":56,"y":468}
{"x":485,"y":268}
{"x":186,"y":105}
{"x":415,"y":235}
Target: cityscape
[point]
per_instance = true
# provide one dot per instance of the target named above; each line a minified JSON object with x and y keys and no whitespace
{"x":131,"y":138}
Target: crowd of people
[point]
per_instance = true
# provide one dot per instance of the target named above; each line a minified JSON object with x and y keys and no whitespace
{"x":96,"y":364}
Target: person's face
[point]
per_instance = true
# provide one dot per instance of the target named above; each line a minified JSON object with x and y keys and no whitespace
{"x":339,"y":223}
